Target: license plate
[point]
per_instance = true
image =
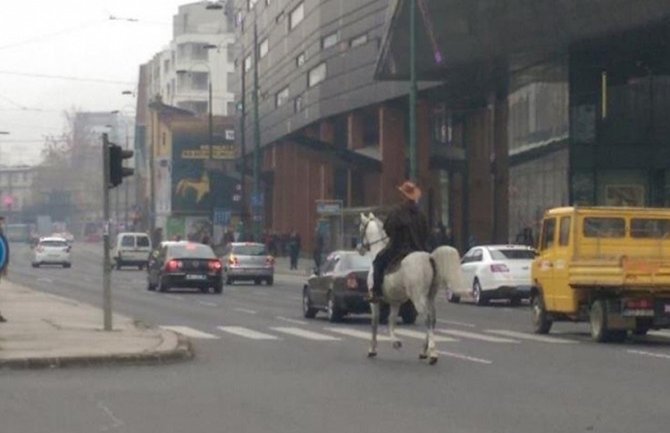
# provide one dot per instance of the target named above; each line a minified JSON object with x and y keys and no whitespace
{"x":196,"y":277}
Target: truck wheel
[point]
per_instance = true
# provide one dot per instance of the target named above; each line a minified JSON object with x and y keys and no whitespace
{"x":541,"y":322}
{"x":598,"y":320}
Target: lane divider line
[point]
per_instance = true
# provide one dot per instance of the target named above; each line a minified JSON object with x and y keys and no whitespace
{"x":209,"y":304}
{"x":247,"y":333}
{"x":289,"y":320}
{"x":532,"y":337}
{"x":650,"y":354}
{"x":475,"y":336}
{"x":422,"y":335}
{"x":463,"y":357}
{"x":357,"y":334}
{"x":453,"y":322}
{"x":246,"y":310}
{"x":299,"y":332}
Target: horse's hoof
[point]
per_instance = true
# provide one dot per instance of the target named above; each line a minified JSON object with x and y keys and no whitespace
{"x":433,"y":360}
{"x":397,"y":345}
{"x":372,"y":354}
{"x":423,"y":356}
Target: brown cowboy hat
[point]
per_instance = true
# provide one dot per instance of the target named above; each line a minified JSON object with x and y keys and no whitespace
{"x":410,"y":190}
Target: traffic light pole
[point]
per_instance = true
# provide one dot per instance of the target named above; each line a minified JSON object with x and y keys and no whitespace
{"x":106,"y":262}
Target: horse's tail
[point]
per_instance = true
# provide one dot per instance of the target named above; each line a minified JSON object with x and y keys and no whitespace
{"x":433,"y":287}
{"x":448,"y":273}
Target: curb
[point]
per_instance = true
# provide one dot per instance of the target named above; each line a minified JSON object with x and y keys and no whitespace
{"x":182,"y":352}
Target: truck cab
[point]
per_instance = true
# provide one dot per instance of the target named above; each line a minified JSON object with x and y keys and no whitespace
{"x":609,"y":266}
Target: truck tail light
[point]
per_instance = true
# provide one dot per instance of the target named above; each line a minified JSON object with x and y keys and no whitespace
{"x":499,"y":267}
{"x":639,"y":304}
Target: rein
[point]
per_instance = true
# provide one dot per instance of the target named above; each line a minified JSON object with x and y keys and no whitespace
{"x":368,"y":245}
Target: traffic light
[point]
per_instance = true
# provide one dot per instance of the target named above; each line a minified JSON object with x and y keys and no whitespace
{"x":116,"y":169}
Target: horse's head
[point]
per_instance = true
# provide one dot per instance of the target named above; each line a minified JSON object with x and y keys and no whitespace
{"x":371,"y":231}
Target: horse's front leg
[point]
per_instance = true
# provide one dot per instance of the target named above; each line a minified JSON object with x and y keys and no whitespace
{"x":374,"y":309}
{"x":393,"y":318}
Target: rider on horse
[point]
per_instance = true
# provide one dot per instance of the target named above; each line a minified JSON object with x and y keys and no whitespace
{"x":407,"y":229}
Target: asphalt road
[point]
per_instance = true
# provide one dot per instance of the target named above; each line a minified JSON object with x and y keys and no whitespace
{"x":261,"y":367}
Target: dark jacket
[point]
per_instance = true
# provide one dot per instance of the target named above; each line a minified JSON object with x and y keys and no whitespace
{"x":407,"y":229}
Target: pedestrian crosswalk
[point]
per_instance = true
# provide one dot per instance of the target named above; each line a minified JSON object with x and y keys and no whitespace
{"x":339,"y":333}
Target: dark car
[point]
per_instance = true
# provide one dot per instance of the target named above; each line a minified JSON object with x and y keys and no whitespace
{"x":184,"y":264}
{"x":340,"y":287}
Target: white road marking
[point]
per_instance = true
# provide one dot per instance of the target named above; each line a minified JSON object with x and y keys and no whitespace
{"x":45,"y":280}
{"x":532,"y":337}
{"x":191,"y":332}
{"x":650,"y":354}
{"x":453,"y":322}
{"x":178,"y":298}
{"x":476,"y":336}
{"x":245,"y":310}
{"x":286,"y":319}
{"x":247,"y":333}
{"x":299,"y":332}
{"x":358,"y":334}
{"x":465,"y":357}
{"x":209,"y":304}
{"x":422,"y":335}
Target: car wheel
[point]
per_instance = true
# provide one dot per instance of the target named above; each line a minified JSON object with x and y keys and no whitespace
{"x":307,"y":310}
{"x":477,"y":293}
{"x":333,"y":310}
{"x":228,"y":281}
{"x":541,"y":322}
{"x":257,"y":281}
{"x":270,"y":281}
{"x":453,"y":297}
{"x":408,"y":313}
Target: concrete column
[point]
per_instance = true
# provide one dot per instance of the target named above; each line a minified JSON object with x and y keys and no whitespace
{"x":392,"y":149}
{"x":355,"y":133}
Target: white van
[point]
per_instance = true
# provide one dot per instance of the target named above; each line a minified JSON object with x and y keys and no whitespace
{"x":131,"y":249}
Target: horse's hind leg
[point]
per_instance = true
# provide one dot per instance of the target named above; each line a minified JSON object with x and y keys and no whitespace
{"x":374,"y":308}
{"x":393,"y":318}
{"x":429,"y":349}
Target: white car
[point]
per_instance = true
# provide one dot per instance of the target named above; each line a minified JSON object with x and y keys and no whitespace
{"x":496,"y":272}
{"x":52,"y":251}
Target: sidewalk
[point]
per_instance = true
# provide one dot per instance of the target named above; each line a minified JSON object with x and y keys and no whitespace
{"x":44,"y":330}
{"x":305,"y":267}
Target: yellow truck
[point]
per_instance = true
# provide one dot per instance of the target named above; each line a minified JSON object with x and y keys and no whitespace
{"x":606,"y":265}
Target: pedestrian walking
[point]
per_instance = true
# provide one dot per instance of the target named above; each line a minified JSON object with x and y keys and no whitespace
{"x":318,"y":249}
{"x":294,"y":248}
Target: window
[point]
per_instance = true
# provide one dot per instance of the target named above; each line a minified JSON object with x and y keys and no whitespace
{"x":548,"y":229}
{"x":564,"y":234}
{"x":512,"y":254}
{"x":317,"y":74}
{"x":263,"y":48}
{"x":199,"y":80}
{"x":296,"y":16}
{"x":166,"y":66}
{"x":297,"y":104}
{"x":650,"y":228}
{"x":230,"y":134}
{"x":330,"y":40}
{"x":143,"y":241}
{"x":604,"y":227}
{"x":128,"y":241}
{"x":300,"y":60}
{"x":281,"y":97}
{"x":358,"y":41}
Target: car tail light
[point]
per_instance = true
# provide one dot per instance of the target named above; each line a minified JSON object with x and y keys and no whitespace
{"x":499,"y":267}
{"x":232,"y":261}
{"x":269,"y":261}
{"x":214,"y":265}
{"x":40,"y":249}
{"x":352,"y":282}
{"x":173,"y":265}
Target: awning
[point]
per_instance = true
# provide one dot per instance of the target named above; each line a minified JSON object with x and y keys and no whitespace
{"x":341,"y":154}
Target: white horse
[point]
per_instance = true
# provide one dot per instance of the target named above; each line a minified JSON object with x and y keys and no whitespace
{"x":418,"y":279}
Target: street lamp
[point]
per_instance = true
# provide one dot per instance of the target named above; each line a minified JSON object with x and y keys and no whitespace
{"x":126,"y":186}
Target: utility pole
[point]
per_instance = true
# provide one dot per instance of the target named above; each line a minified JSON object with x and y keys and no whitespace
{"x":106,"y":262}
{"x":412,"y":91}
{"x":256,"y":197}
{"x":243,"y":144}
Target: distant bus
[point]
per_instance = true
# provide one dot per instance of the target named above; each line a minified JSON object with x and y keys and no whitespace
{"x":17,"y":232}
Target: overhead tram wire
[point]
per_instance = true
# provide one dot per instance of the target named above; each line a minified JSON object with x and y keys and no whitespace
{"x":66,"y":77}
{"x":51,"y":35}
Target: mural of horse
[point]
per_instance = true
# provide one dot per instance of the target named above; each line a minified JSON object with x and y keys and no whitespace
{"x":201,"y":187}
{"x":418,"y":278}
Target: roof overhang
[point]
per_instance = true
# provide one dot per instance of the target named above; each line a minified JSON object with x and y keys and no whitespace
{"x":454,"y":35}
{"x":341,"y":154}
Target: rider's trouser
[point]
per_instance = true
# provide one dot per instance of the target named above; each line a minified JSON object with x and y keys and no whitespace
{"x":379,"y":265}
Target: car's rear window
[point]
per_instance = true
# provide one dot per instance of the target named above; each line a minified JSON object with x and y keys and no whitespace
{"x":191,"y":251}
{"x":128,"y":241}
{"x":650,"y":228}
{"x":249,"y":250}
{"x":512,"y":254}
{"x":356,"y":261}
{"x":53,"y":244}
{"x":142,"y":241}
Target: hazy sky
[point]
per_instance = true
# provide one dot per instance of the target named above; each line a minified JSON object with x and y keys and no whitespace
{"x":74,"y":39}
